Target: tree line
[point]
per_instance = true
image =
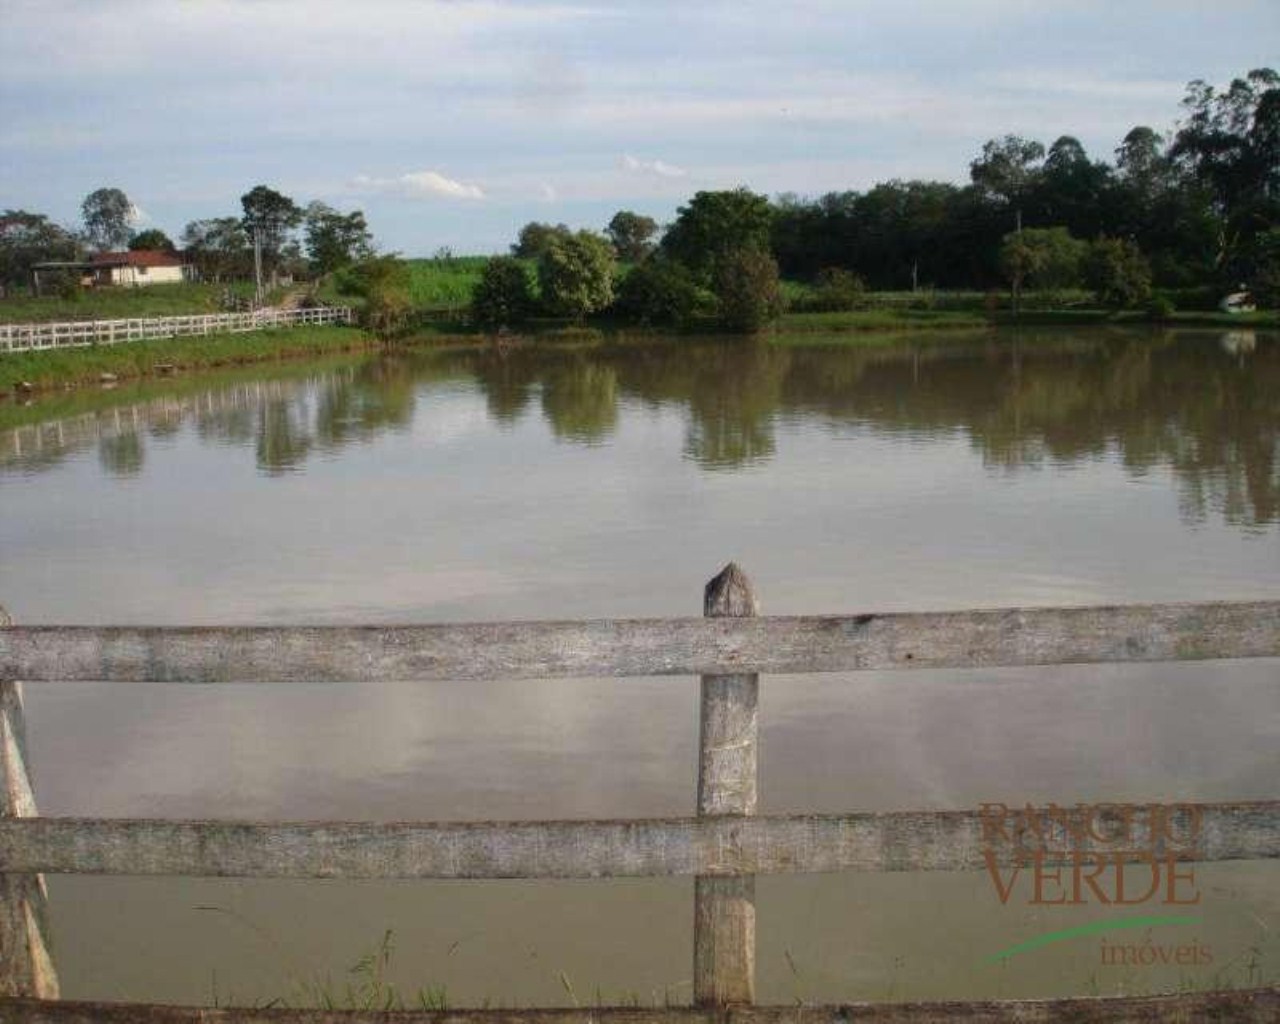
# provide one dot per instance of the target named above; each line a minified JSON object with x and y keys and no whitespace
{"x":221,"y":248}
{"x":1198,"y":210}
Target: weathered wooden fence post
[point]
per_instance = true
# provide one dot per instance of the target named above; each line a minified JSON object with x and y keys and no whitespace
{"x":26,"y":968}
{"x":724,"y":916}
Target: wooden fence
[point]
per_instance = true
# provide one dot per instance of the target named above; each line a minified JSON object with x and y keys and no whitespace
{"x":724,"y":847}
{"x":83,"y":333}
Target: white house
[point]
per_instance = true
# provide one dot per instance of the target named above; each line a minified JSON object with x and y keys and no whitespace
{"x":142,"y":267}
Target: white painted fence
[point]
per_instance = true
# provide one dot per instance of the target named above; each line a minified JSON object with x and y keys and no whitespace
{"x":83,"y":333}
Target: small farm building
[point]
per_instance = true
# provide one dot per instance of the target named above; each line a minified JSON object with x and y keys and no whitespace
{"x":128,"y":269}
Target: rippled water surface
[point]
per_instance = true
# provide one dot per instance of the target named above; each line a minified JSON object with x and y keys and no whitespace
{"x":948,"y":472}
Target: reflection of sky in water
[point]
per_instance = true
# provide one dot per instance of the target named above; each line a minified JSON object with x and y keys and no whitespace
{"x":574,"y":485}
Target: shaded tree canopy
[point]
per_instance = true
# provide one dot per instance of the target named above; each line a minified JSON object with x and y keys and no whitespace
{"x":1230,"y":145}
{"x":632,"y":235}
{"x":152,"y":240}
{"x":534,"y":237}
{"x":713,"y":224}
{"x":219,"y":247}
{"x":1140,"y":158}
{"x":1231,"y":140}
{"x":1007,"y":167}
{"x":30,"y":238}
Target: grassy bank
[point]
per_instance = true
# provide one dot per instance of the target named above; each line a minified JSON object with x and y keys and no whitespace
{"x":122,"y":303}
{"x":142,"y":359}
{"x":882,"y":320}
{"x":1265,"y":320}
{"x":61,"y":368}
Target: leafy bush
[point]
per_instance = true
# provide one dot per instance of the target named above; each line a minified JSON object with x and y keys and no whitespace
{"x":503,"y":297}
{"x":575,"y":274}
{"x":657,"y":292}
{"x":748,"y":290}
{"x":1044,"y":257}
{"x":838,"y":290}
{"x":1117,"y":272}
{"x":383,"y":282}
{"x":1160,"y":307}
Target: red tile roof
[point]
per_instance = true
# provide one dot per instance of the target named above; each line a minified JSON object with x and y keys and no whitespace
{"x":139,"y":258}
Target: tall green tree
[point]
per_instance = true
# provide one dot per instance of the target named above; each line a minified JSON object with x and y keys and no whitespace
{"x":1007,"y":170}
{"x":269,"y":216}
{"x":632,"y":235}
{"x":713,"y":225}
{"x":1071,"y":190}
{"x":575,"y":274}
{"x":107,"y":214}
{"x":1141,"y":160}
{"x":1230,"y":144}
{"x":335,"y":239}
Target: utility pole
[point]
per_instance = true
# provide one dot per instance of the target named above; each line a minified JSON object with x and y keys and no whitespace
{"x":257,"y":268}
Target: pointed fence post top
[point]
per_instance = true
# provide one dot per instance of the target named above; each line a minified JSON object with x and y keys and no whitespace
{"x":730,"y":595}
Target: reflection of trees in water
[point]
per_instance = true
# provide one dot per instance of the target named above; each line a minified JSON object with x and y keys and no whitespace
{"x":1175,"y":401}
{"x":283,"y":439}
{"x":229,"y":426}
{"x":121,"y":454}
{"x":360,"y":405}
{"x":580,"y":400}
{"x":1206,"y":411}
{"x":507,"y":379}
{"x":733,"y":397}
{"x":1212,"y":419}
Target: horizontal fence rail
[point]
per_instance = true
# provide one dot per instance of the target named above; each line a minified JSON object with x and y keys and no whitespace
{"x":714,"y":846}
{"x":643,"y":647}
{"x":30,"y":337}
{"x":1259,"y":1006}
{"x":724,"y":847}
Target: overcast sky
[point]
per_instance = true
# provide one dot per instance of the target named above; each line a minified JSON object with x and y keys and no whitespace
{"x":454,"y":123}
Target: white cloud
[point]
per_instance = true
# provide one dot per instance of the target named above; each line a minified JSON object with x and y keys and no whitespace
{"x":548,"y":192}
{"x":137,"y":215}
{"x":417,"y":185}
{"x":658,"y":167}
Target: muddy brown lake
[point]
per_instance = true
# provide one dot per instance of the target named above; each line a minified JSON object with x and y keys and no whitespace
{"x":992,"y":469}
